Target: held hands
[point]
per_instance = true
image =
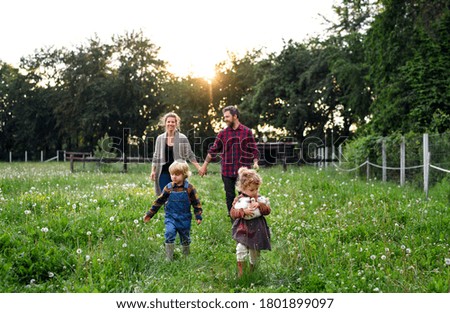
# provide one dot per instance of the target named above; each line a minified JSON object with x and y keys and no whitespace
{"x":203,"y":170}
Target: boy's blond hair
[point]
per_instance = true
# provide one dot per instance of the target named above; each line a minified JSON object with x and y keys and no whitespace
{"x":180,"y":167}
{"x":247,"y":177}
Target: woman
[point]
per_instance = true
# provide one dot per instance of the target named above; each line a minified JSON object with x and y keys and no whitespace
{"x":171,"y":145}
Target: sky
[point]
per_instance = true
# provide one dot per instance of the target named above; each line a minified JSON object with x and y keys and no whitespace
{"x":193,"y":35}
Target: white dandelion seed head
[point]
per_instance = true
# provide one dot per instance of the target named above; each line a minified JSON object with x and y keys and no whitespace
{"x":88,"y":257}
{"x":124,"y":245}
{"x":44,"y":229}
{"x":79,"y":251}
{"x":50,"y":274}
{"x":373,"y":256}
{"x":408,"y":250}
{"x":447,"y":261}
{"x":88,"y":233}
{"x":403,"y":247}
{"x":383,"y":257}
{"x":27,"y":212}
{"x":74,"y":206}
{"x":136,"y":221}
{"x":111,"y":218}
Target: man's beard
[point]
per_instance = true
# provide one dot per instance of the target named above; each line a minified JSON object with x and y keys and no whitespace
{"x":230,"y":124}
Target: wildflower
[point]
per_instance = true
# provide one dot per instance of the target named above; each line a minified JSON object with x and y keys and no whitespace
{"x":79,"y":251}
{"x":44,"y":229}
{"x":50,"y":274}
{"x":88,"y":233}
{"x":111,"y":218}
{"x":74,"y":206}
{"x":88,"y":257}
{"x":136,"y":222}
{"x":27,"y":212}
{"x":403,"y":247}
{"x":376,"y":289}
{"x":373,"y":257}
{"x":124,"y":245}
{"x":447,"y":262}
{"x":408,"y":250}
{"x":383,"y":257}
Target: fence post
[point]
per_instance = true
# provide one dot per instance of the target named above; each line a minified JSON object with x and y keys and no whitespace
{"x":42,"y":156}
{"x":340,"y":154}
{"x":368,"y":169}
{"x":26,"y":156}
{"x":383,"y":156}
{"x":326,"y":155}
{"x":402,"y":161}
{"x":426,"y":164}
{"x":10,"y":156}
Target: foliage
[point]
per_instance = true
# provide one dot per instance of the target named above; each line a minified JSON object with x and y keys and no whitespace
{"x":83,"y":232}
{"x":406,"y":49}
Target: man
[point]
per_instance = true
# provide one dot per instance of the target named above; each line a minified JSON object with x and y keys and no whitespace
{"x":237,"y":147}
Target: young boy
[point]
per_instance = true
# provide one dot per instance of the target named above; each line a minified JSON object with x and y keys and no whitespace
{"x":177,"y":198}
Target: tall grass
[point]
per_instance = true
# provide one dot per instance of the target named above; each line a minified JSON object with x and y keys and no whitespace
{"x":83,"y":232}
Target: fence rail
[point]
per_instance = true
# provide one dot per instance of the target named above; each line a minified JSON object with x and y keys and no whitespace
{"x":425,"y":166}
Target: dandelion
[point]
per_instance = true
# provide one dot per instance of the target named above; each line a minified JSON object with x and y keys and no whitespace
{"x":124,"y":245}
{"x":373,"y":256}
{"x":74,"y":206}
{"x":383,"y":257}
{"x":87,"y":258}
{"x":51,"y":275}
{"x":44,"y":229}
{"x":79,"y":251}
{"x":136,"y":222}
{"x":376,"y":289}
{"x":88,"y":233}
{"x":408,"y":250}
{"x":403,"y":247}
{"x":447,"y":261}
{"x":111,"y":218}
{"x":27,"y":212}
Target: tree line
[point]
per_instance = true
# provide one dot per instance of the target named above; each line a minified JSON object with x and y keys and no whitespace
{"x":381,"y":69}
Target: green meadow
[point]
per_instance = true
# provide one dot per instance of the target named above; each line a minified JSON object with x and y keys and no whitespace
{"x":331,"y":232}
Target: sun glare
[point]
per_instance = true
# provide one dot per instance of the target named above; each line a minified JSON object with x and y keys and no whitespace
{"x":198,"y":68}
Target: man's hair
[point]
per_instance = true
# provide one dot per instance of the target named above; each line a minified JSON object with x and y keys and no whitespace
{"x":232,"y":109}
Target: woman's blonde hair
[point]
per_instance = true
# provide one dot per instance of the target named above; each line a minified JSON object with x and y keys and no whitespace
{"x":162,"y":121}
{"x":180,"y":167}
{"x":246,"y":178}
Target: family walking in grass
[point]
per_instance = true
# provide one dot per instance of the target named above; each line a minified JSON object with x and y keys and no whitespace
{"x":237,"y":147}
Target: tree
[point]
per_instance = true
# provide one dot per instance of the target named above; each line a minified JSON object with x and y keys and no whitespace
{"x":407,"y":53}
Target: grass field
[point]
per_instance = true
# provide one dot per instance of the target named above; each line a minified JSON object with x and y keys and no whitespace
{"x":83,"y":232}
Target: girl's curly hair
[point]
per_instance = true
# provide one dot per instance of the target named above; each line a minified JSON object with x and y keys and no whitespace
{"x":247,"y":177}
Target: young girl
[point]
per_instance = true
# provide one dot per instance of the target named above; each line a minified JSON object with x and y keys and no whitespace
{"x":177,"y":198}
{"x":250,"y":228}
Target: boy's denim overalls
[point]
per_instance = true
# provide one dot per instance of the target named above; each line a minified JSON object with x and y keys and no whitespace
{"x":178,"y":215}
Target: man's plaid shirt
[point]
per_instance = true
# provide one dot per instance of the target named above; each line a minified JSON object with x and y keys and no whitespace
{"x":237,"y":148}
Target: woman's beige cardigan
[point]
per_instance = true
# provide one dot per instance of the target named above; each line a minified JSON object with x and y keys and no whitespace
{"x":181,"y":150}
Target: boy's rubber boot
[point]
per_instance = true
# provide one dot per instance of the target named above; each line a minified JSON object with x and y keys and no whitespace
{"x":240,"y":268}
{"x":186,"y":250}
{"x":170,"y":247}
